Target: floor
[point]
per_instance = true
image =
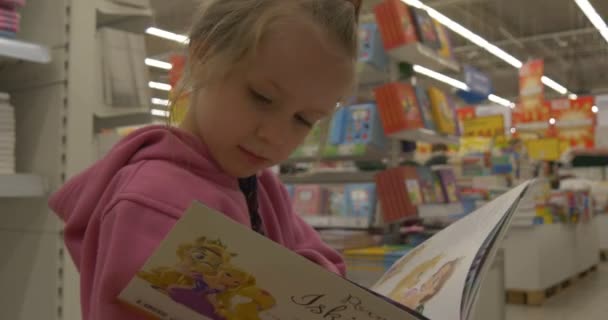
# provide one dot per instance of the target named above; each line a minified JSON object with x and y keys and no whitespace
{"x":587,"y":299}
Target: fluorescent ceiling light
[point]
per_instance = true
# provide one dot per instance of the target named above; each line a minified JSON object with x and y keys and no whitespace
{"x":572,"y":96}
{"x":554,"y":85}
{"x":594,"y":17}
{"x":478,"y":40}
{"x":160,"y":113}
{"x":552,"y":121}
{"x":159,"y":86}
{"x":441,"y":77}
{"x":501,"y":101}
{"x":158,"y":64}
{"x":595,"y":109}
{"x":513,"y":130}
{"x":160,"y":102}
{"x":167,"y":35}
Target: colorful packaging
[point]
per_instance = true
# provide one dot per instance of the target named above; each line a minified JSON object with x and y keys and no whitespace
{"x":398,"y":107}
{"x":443,"y":111}
{"x":309,"y":199}
{"x":337,"y":127}
{"x":395,"y":23}
{"x":336,"y":201}
{"x":427,"y":185}
{"x":448,"y":185}
{"x":399,"y":193}
{"x":426,"y":30}
{"x":361,"y":199}
{"x":363,"y":126}
{"x":371,"y":49}
{"x":424,"y":104}
{"x":444,"y":40}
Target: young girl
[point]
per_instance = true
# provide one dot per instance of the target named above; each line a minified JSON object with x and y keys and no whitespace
{"x":261,"y":74}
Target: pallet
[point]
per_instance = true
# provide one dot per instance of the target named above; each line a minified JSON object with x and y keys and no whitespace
{"x":538,"y":297}
{"x":604,"y":255}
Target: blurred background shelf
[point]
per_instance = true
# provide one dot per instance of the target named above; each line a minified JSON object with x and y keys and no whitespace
{"x":22,"y":186}
{"x":333,"y":222}
{"x":331,"y":177}
{"x":425,"y":135}
{"x":17,"y":50}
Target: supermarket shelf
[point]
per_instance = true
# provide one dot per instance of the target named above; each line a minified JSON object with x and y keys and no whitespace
{"x":22,"y":186}
{"x":337,"y":222}
{"x":16,"y":50}
{"x":331,"y":177}
{"x":425,"y":135}
{"x":369,"y":74}
{"x":418,"y":53}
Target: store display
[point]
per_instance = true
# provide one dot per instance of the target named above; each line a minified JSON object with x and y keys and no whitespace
{"x":399,"y":193}
{"x":371,"y":49}
{"x":396,"y":24}
{"x":425,"y":28}
{"x":337,"y":200}
{"x":361,"y":199}
{"x":431,"y":192}
{"x":448,"y":184}
{"x":443,"y":111}
{"x":310,"y":199}
{"x":424,"y":104}
{"x":398,"y":107}
{"x":7,"y":135}
{"x":444,"y":39}
{"x":447,"y":259}
{"x":10,"y":19}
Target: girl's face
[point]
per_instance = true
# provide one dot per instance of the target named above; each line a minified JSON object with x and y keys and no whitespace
{"x":260,"y":113}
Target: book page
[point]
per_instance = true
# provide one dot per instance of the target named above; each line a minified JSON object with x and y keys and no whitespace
{"x":432,"y":278}
{"x":210,"y":267}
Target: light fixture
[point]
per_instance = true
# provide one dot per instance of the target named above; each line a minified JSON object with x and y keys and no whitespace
{"x":458,"y":84}
{"x":480,"y":41}
{"x":552,"y":121}
{"x":595,"y":109}
{"x":553,"y":85}
{"x":159,"y":86}
{"x":572,"y":96}
{"x":160,"y":102}
{"x":160,"y":113}
{"x":513,"y":130}
{"x":512,"y":106}
{"x":441,"y":77}
{"x":167,"y":35}
{"x":501,"y":101}
{"x":158,"y":64}
{"x":594,"y":17}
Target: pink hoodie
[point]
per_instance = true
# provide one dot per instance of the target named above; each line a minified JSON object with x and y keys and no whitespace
{"x":119,"y":210}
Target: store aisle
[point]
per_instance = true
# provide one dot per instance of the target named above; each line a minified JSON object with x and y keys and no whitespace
{"x":587,"y":299}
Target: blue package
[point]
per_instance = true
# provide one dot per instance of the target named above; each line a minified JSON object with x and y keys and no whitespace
{"x":364,"y":126}
{"x":337,"y":127}
{"x":361,"y":199}
{"x":371,"y":48}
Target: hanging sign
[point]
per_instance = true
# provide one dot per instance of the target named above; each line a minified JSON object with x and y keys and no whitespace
{"x":531,"y":91}
{"x":480,"y":86}
{"x":488,"y":126}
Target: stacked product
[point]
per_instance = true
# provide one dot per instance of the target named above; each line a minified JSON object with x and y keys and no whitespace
{"x":7,"y":135}
{"x":9,"y":17}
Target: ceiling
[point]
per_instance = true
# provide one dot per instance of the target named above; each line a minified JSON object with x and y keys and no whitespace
{"x":575,"y":54}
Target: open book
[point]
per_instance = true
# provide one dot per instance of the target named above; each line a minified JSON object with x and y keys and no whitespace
{"x":210,"y":267}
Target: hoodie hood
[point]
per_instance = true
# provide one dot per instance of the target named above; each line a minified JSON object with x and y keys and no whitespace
{"x":79,"y":198}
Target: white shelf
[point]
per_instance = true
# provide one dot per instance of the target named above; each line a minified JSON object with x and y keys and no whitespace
{"x":425,"y":135}
{"x":22,"y":186}
{"x":337,"y":222}
{"x":418,"y":53}
{"x":331,"y":177}
{"x":20,"y":50}
{"x":440,"y":210}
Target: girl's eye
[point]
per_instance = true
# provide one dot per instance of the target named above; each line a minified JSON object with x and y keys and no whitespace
{"x":303,"y":121}
{"x":259,"y":97}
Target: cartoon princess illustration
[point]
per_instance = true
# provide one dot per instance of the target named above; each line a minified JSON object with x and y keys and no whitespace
{"x":259,"y":300}
{"x":203,"y":257}
{"x":416,"y":297}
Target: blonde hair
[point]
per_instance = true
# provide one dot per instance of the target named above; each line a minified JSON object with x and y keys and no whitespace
{"x":225,"y":32}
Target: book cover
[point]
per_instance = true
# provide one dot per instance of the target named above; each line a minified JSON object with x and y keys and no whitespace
{"x":371,"y":48}
{"x":427,"y":185}
{"x":398,"y":107}
{"x":396,"y":24}
{"x":399,"y":192}
{"x":426,"y":30}
{"x":309,"y":199}
{"x":448,"y":184}
{"x":361,"y":199}
{"x":425,"y":108}
{"x":443,"y":112}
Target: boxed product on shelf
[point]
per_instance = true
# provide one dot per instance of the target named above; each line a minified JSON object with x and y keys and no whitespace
{"x":309,"y":199}
{"x":448,"y":184}
{"x":501,"y":164}
{"x":445,"y":49}
{"x":398,"y":190}
{"x":429,"y":186}
{"x":396,"y":23}
{"x":424,"y":104}
{"x":425,"y":27}
{"x":336,"y":128}
{"x":356,"y":132}
{"x":371,"y":49}
{"x":398,"y":107}
{"x":443,"y":111}
{"x":336,"y":200}
{"x":361,"y":199}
